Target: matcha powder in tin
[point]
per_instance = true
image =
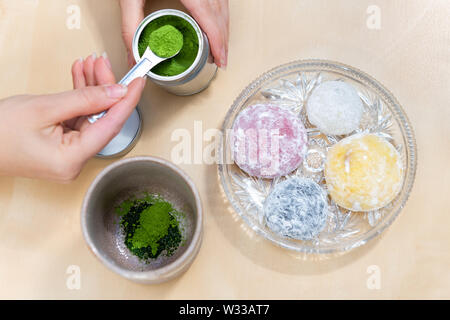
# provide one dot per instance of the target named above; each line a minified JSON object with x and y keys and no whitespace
{"x":166,"y":41}
{"x":185,"y":58}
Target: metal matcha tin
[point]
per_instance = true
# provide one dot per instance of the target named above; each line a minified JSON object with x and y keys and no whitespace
{"x":198,"y":76}
{"x":127,"y":138}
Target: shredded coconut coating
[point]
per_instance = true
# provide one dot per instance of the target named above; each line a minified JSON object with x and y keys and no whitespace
{"x":268,"y":141}
{"x":364,"y":172}
{"x":335,"y":108}
{"x":296,"y":208}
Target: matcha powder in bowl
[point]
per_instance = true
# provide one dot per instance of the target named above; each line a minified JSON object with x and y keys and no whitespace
{"x":185,"y":58}
{"x":151,"y":227}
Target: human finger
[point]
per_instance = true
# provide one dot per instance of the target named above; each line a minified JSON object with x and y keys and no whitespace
{"x":85,"y":101}
{"x":96,"y":136}
{"x":78,"y":79}
{"x":88,"y":69}
{"x":132,"y":15}
{"x":103,"y":76}
{"x":205,"y":13}
{"x":103,"y":71}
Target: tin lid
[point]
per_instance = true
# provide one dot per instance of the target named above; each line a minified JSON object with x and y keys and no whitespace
{"x":126,"y":139}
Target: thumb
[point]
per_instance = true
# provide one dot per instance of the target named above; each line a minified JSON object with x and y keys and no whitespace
{"x":96,"y":136}
{"x":89,"y":100}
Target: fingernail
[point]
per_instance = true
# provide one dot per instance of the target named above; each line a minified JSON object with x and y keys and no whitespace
{"x":80,"y":60}
{"x":116,"y":91}
{"x":108,"y":63}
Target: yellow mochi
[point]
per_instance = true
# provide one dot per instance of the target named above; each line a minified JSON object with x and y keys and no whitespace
{"x":364,"y":172}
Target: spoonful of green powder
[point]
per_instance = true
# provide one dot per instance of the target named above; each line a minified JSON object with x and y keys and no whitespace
{"x":166,"y":41}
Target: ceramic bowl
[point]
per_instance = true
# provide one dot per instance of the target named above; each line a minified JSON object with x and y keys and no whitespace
{"x":101,"y":225}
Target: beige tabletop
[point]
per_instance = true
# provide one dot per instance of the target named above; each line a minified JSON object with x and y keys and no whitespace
{"x":407,"y":49}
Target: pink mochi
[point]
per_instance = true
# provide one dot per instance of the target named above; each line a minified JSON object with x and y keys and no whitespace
{"x":268,"y":141}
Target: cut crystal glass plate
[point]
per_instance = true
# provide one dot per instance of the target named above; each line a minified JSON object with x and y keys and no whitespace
{"x":289,"y":86}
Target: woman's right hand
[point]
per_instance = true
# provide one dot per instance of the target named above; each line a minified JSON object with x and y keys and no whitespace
{"x":49,"y":136}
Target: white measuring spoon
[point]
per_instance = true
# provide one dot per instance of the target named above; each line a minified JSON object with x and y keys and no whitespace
{"x":147,"y":62}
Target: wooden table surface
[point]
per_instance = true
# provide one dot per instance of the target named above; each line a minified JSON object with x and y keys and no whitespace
{"x":40,"y":237}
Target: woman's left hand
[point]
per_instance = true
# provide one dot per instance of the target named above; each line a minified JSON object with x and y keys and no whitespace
{"x":212,"y":16}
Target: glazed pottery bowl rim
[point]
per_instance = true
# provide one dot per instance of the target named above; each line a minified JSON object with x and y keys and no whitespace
{"x":166,"y":270}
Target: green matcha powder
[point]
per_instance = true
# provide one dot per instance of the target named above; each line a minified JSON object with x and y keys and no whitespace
{"x":150,"y":226}
{"x":166,"y":41}
{"x":184,"y":59}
